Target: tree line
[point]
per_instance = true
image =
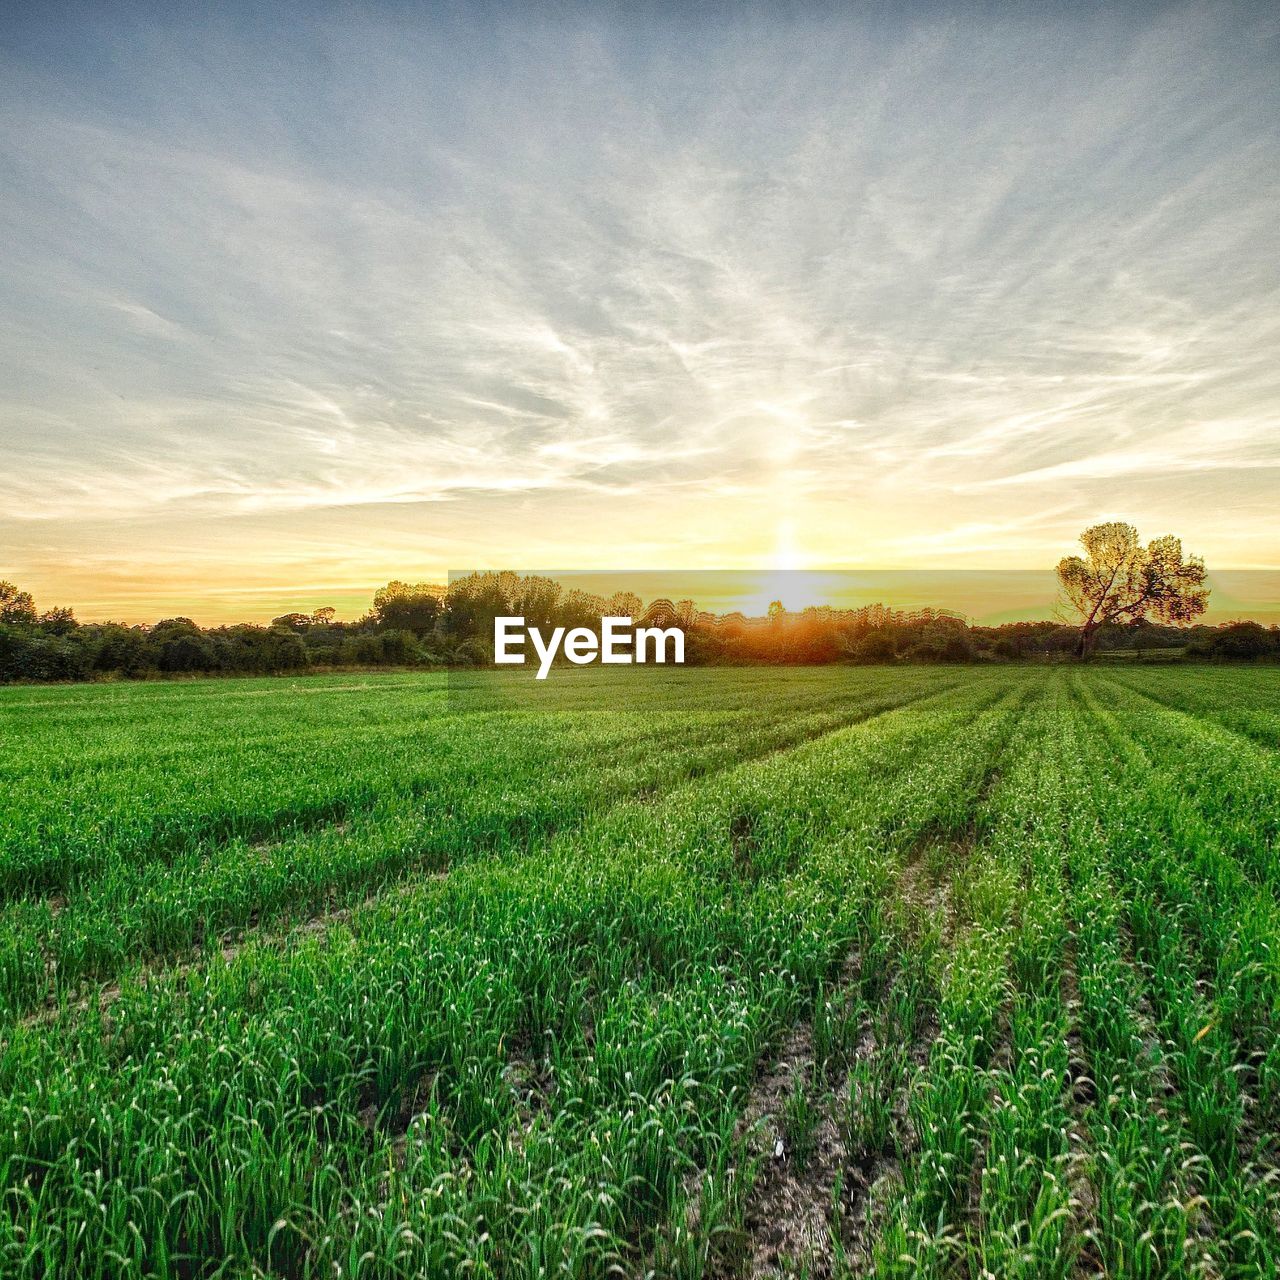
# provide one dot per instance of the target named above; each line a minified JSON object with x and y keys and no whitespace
{"x":427,"y":625}
{"x":1127,"y":595}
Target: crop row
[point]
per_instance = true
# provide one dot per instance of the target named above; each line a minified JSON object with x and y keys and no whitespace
{"x":134,"y":909}
{"x":100,"y":778}
{"x":1097,"y":967}
{"x":512,"y":1068}
{"x":1023,"y":927}
{"x":1102,"y":1091}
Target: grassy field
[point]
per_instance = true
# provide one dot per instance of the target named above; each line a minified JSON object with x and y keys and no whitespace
{"x":822,"y":972}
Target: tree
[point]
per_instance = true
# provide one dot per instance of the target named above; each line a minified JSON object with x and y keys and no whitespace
{"x":324,"y":616}
{"x":1120,"y":580}
{"x":58,"y":621}
{"x":407,"y":606}
{"x":399,"y":648}
{"x":120,"y":648}
{"x":15,"y":605}
{"x":180,"y":646}
{"x":877,"y":645}
{"x":581,"y":609}
{"x":625,"y":604}
{"x":298,"y":622}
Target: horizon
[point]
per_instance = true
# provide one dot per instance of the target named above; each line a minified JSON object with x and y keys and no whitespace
{"x":981,"y":598}
{"x":294,"y":310}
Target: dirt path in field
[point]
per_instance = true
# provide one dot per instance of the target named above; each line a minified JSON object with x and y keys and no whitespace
{"x":787,"y":1215}
{"x":823,"y":1188}
{"x":820,"y":1211}
{"x":1081,"y":1095}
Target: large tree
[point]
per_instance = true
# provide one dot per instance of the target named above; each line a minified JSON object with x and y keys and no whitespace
{"x":1120,"y":580}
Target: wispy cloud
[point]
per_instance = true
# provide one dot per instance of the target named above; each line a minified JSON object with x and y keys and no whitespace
{"x":403,"y":293}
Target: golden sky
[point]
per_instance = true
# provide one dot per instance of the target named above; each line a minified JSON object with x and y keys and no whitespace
{"x":293,"y":308}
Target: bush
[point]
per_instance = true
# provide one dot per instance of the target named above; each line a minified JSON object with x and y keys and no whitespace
{"x":27,"y":653}
{"x":399,"y":648}
{"x":876,"y":646}
{"x":119,"y":648}
{"x":1238,"y":641}
{"x":368,"y":650}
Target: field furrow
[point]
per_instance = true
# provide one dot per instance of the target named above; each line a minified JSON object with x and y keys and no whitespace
{"x":141,"y":913}
{"x":829,"y":973}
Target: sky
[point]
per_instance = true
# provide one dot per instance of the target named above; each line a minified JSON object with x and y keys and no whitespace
{"x":298,"y":300}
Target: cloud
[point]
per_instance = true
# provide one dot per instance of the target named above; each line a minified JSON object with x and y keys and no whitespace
{"x":846,"y":279}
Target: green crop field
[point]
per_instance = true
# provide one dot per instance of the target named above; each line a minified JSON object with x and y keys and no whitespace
{"x":813,"y":972}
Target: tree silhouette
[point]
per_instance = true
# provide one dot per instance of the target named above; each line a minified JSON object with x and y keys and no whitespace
{"x":1120,"y":580}
{"x":15,"y":605}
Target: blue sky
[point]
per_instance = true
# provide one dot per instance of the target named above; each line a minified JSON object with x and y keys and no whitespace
{"x":297,"y":300}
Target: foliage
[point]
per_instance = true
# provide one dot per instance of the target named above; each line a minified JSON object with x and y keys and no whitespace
{"x":1241,"y":641}
{"x":1120,"y":580}
{"x":399,"y":606}
{"x":424,"y":625}
{"x":16,"y":606}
